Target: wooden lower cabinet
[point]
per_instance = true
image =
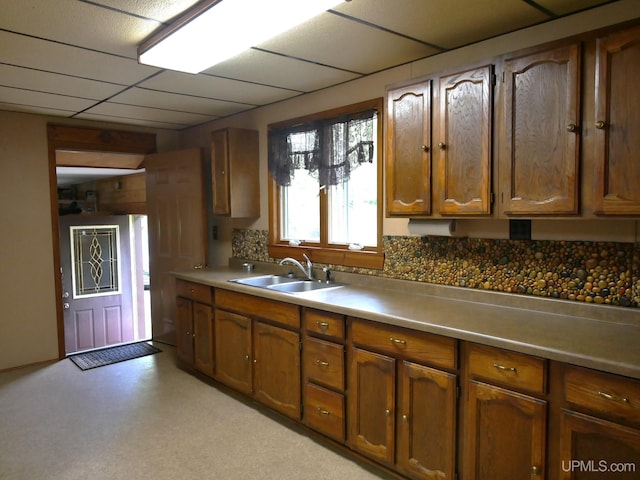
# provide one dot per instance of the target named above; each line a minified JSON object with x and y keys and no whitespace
{"x":401,"y":413}
{"x":596,"y":449}
{"x":506,"y":434}
{"x":194,"y":329}
{"x":256,"y":356}
{"x":426,"y":422}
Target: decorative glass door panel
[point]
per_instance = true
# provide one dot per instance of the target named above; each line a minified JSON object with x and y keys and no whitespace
{"x":95,"y":257}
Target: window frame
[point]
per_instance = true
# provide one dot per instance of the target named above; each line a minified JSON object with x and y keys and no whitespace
{"x":323,"y":252}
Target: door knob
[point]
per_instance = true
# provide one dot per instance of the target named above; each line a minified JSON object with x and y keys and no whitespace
{"x":66,"y":306}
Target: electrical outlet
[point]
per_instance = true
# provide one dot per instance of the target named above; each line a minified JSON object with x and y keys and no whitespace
{"x":214,"y":232}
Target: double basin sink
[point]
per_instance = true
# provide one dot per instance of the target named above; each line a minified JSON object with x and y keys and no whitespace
{"x":285,"y":284}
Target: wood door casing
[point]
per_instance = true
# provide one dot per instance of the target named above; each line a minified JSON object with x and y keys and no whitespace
{"x":541,"y":146}
{"x":463,"y":146}
{"x":617,"y":141}
{"x":372,"y":399}
{"x":177,"y":230}
{"x":426,"y":422}
{"x":233,"y":341}
{"x":408,"y":159}
{"x":505,"y":435}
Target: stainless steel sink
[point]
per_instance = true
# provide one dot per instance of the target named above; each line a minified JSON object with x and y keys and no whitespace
{"x":285,"y":284}
{"x":265,"y":280}
{"x":304,"y":286}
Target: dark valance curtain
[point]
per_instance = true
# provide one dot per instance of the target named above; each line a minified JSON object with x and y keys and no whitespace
{"x":329,"y":149}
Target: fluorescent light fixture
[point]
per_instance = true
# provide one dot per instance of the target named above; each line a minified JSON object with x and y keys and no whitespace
{"x":222,"y":29}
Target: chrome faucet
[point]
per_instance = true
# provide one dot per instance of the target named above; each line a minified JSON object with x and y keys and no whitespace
{"x":308,"y":271}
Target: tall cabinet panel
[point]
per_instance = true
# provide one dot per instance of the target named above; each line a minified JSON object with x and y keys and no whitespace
{"x":540,"y":139}
{"x":617,"y":123}
{"x":408,"y":159}
{"x":464,"y":142}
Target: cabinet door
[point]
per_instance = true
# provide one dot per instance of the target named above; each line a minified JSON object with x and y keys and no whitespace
{"x":594,"y":449}
{"x":203,"y":338}
{"x":464,"y":142}
{"x":277,"y":368}
{"x":371,"y":405}
{"x":233,"y":350}
{"x":426,"y":422}
{"x":184,"y":330}
{"x":506,"y":434}
{"x":220,"y":172}
{"x":408,"y":161}
{"x":617,"y":124}
{"x":540,"y":144}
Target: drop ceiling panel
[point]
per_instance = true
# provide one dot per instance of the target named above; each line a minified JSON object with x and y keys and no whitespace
{"x":335,"y":41}
{"x":121,"y":111}
{"x":174,"y":101}
{"x":277,"y":70}
{"x":95,"y":117}
{"x":21,"y":96}
{"x":78,"y":23}
{"x":217,"y":88}
{"x":27,"y":78}
{"x":160,"y":10}
{"x":443,"y":23}
{"x":54,"y":57}
{"x":562,"y":7}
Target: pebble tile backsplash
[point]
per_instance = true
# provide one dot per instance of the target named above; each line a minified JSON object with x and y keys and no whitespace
{"x":604,"y":273}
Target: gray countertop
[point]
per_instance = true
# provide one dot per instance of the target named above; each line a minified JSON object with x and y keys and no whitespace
{"x":605,"y":338}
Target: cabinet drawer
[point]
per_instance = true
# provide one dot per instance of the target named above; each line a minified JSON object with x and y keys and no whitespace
{"x":194,"y":291}
{"x":603,"y":393}
{"x":515,"y":370}
{"x":283,"y":313}
{"x":324,"y":323}
{"x":324,"y":411}
{"x":324,"y":362}
{"x":410,"y":344}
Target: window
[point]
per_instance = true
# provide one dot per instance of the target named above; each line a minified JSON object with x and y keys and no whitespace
{"x":325,"y":189}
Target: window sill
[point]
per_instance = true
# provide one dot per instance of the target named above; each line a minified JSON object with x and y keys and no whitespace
{"x":333,"y":256}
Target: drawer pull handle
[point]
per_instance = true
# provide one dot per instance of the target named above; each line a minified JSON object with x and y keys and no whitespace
{"x":323,"y":412}
{"x":614,"y":398}
{"x":506,"y":369}
{"x":322,"y":363}
{"x":398,"y":341}
{"x":323,"y":326}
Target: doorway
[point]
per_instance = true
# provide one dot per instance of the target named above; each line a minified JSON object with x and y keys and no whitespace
{"x":94,"y":141}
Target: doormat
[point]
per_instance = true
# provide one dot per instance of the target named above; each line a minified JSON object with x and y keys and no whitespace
{"x":107,"y":356}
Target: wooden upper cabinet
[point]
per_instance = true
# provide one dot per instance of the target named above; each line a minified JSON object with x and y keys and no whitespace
{"x":540,"y":137}
{"x":234,"y":173}
{"x":463,"y":142}
{"x":617,"y":123}
{"x":408,"y":159}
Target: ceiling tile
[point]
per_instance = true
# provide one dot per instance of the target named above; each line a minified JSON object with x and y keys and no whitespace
{"x":563,"y":7}
{"x":276,"y":70}
{"x":100,"y":29}
{"x":45,"y":100}
{"x":160,"y":10}
{"x":177,"y":102}
{"x":153,"y":115}
{"x":130,"y":121}
{"x":440,"y":23}
{"x":57,"y":58}
{"x":335,"y":41}
{"x":55,"y":83}
{"x":217,"y":88}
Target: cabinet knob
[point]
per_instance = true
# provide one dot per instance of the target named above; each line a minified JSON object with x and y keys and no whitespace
{"x":571,"y":127}
{"x":442,"y":146}
{"x":536,"y":470}
{"x":424,"y":148}
{"x":324,"y":326}
{"x":246,"y":357}
{"x":600,"y":125}
{"x":387,"y":412}
{"x":255,"y":361}
{"x":405,"y":418}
